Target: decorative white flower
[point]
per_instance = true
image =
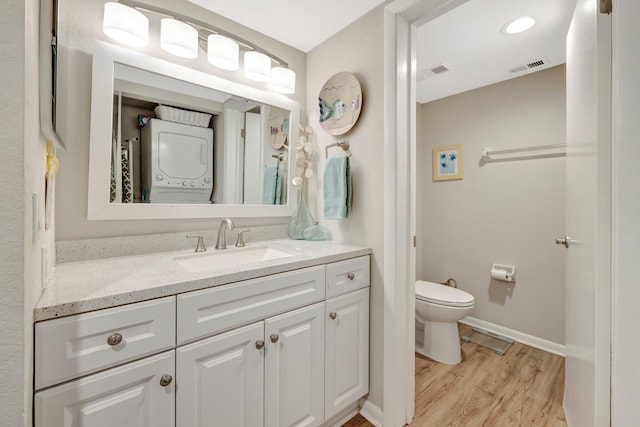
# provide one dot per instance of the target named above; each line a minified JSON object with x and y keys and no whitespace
{"x":305,"y":154}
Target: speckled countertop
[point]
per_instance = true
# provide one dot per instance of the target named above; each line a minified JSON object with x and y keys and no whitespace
{"x":79,"y":287}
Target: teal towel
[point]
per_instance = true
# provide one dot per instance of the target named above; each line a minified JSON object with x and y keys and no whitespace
{"x":337,"y":188}
{"x":270,"y":189}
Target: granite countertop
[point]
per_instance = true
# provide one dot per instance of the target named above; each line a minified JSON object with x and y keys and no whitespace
{"x":80,"y":287}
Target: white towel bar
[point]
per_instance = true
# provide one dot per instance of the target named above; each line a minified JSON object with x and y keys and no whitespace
{"x":488,"y":152}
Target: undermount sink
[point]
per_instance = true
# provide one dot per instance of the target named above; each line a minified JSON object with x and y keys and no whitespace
{"x":229,"y":258}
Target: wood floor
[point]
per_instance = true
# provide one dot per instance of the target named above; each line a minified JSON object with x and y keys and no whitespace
{"x":520,"y":389}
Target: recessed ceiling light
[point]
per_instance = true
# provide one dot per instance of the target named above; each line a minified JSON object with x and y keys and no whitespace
{"x":519,"y":25}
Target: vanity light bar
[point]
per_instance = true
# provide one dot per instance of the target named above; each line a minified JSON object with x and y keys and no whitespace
{"x":181,"y":36}
{"x":125,"y":24}
{"x":178,"y":38}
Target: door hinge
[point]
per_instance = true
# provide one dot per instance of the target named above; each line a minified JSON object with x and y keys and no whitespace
{"x":243,"y":133}
{"x":415,"y":241}
{"x":606,"y":6}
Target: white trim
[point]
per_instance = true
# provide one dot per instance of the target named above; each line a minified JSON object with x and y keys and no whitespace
{"x":401,"y":18}
{"x":393,"y":378}
{"x":372,"y":413}
{"x":521,"y":337}
{"x":348,"y":414}
{"x":105,"y":56}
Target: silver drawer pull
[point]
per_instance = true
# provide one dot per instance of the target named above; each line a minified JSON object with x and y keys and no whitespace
{"x":333,"y":315}
{"x":259,"y":344}
{"x":351,"y":276}
{"x":274,"y":338}
{"x":114,"y":339}
{"x":165,"y":380}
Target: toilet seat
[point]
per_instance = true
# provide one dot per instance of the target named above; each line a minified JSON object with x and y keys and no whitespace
{"x":436,"y":293}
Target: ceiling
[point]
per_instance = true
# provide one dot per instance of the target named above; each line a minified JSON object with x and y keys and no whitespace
{"x":302,"y":24}
{"x":467,"y":40}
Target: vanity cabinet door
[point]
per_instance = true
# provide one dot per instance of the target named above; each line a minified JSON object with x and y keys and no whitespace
{"x":294,"y":368}
{"x":221,"y":380}
{"x":138,"y":394}
{"x":346,"y":350}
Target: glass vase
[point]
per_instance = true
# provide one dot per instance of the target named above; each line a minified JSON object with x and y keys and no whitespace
{"x":301,"y":218}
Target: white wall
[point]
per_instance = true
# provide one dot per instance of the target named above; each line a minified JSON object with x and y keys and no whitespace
{"x":507,"y":212}
{"x":81,"y":23}
{"x":22,"y":168}
{"x":358,"y":49}
{"x":626,"y":212}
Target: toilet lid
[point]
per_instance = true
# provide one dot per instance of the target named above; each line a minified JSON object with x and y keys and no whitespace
{"x":436,"y":293}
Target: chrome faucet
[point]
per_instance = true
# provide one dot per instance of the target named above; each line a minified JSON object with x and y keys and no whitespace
{"x":225,"y":224}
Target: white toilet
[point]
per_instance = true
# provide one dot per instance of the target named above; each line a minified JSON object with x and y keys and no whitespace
{"x":438,"y":309}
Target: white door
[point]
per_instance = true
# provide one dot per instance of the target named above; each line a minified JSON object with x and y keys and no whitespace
{"x":221,"y":379}
{"x":586,"y":398}
{"x":294,"y":368}
{"x":138,"y":394}
{"x":346,"y":350}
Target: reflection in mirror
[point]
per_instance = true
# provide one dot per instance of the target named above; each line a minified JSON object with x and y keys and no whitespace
{"x":176,"y":142}
{"x":168,"y":141}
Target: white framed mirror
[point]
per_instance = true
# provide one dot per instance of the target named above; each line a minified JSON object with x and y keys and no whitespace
{"x":238,"y":136}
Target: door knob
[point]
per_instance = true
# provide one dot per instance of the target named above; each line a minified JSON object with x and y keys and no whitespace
{"x":274,"y":337}
{"x":564,"y":241}
{"x":259,"y":344}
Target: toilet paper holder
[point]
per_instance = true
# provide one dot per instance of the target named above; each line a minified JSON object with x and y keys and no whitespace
{"x":506,"y":273}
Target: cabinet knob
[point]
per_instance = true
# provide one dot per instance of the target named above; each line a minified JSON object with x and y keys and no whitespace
{"x":114,"y":339}
{"x":333,"y":315}
{"x":165,"y":380}
{"x":351,"y":276}
{"x":274,"y":337}
{"x":259,"y":344}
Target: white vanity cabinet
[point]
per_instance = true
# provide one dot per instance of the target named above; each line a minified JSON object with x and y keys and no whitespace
{"x":294,"y":377}
{"x":347,"y":334}
{"x":222,"y":378}
{"x":275,"y":351}
{"x":139,"y":394}
{"x":265,"y":374}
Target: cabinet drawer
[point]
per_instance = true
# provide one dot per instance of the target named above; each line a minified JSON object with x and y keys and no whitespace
{"x":73,"y":346}
{"x":346,"y":276}
{"x":207,"y":312}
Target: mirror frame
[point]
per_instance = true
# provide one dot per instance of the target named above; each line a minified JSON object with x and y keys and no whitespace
{"x":105,"y":55}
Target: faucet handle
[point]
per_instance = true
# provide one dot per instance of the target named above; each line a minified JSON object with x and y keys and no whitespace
{"x":200,"y":245}
{"x":240,"y":241}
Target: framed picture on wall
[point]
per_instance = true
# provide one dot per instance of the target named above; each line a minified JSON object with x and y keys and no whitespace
{"x":448,"y":163}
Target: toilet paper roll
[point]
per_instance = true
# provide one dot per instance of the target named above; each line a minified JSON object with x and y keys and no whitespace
{"x":500,"y":275}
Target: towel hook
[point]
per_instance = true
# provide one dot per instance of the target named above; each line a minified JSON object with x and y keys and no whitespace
{"x":342,"y":144}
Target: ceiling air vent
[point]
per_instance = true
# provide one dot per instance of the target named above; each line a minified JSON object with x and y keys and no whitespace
{"x":534,"y":64}
{"x":434,"y":70}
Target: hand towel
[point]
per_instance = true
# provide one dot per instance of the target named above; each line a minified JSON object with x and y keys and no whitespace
{"x":337,"y":188}
{"x":270,"y":185}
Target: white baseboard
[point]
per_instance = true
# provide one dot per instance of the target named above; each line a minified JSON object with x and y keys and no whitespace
{"x":345,"y":416}
{"x":372,"y":413}
{"x":521,"y":337}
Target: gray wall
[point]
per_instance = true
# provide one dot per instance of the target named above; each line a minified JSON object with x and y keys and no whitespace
{"x":22,"y":170}
{"x":358,"y":49}
{"x":507,"y":212}
{"x":81,"y":23}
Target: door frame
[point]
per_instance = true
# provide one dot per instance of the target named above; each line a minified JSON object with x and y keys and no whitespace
{"x":401,"y":19}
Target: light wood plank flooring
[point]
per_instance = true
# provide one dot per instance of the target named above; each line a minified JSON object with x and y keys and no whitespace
{"x":520,"y":389}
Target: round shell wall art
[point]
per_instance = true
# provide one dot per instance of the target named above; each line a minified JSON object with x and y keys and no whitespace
{"x":340,"y":103}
